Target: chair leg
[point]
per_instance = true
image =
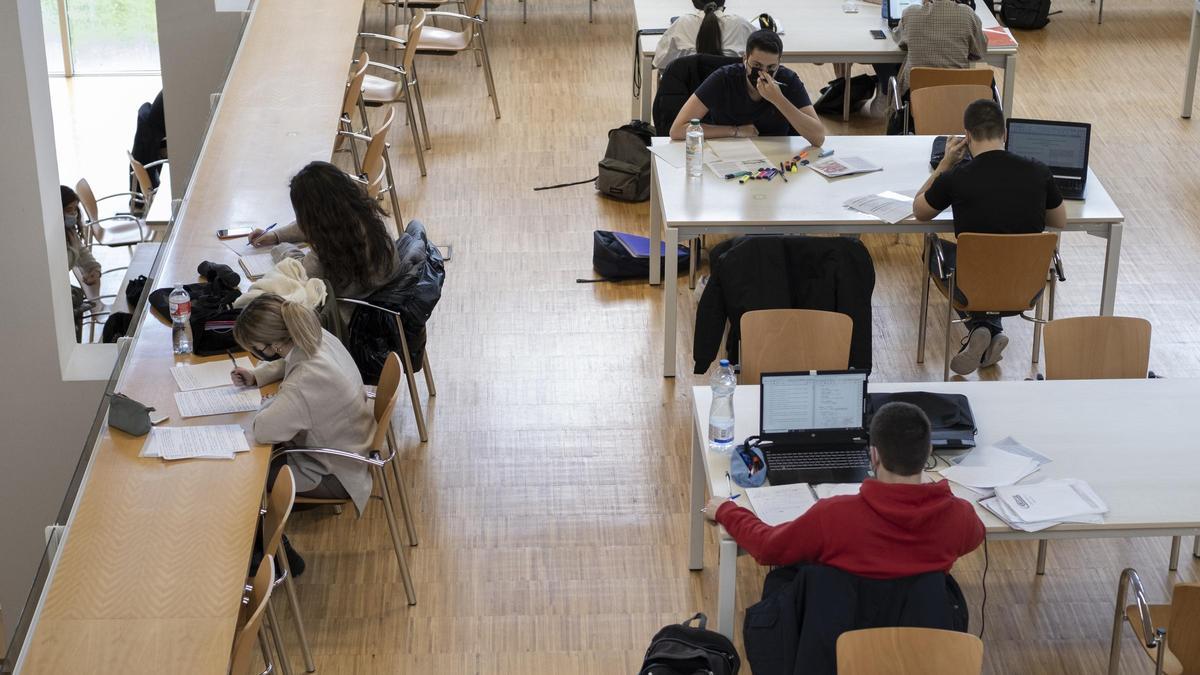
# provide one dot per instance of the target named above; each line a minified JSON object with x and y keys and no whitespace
{"x":264,"y":643}
{"x":406,"y":358}
{"x":1114,"y":648}
{"x":416,"y":87}
{"x":348,"y":125}
{"x":273,"y":628}
{"x":428,"y":373}
{"x":487,"y":70}
{"x":1040,"y":315}
{"x":949,"y":327}
{"x":289,"y":585}
{"x":394,"y":530}
{"x":402,"y":494}
{"x":924,"y":308}
{"x":397,"y":216}
{"x":416,"y":133}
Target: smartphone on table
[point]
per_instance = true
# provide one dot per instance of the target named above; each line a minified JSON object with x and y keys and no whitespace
{"x":234,"y":232}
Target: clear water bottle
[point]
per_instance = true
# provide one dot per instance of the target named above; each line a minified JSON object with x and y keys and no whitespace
{"x":694,"y":148}
{"x":720,"y":413}
{"x":181,"y":315}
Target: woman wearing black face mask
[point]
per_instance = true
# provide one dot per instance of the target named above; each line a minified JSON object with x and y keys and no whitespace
{"x":79,"y":258}
{"x":757,"y":97}
{"x":320,"y":402}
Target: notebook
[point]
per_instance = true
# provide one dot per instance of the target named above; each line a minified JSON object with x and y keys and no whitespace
{"x":256,"y":265}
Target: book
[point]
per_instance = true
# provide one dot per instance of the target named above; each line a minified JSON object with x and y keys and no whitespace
{"x":999,"y":37}
{"x":639,"y":247}
{"x":256,"y":265}
{"x":834,"y":167}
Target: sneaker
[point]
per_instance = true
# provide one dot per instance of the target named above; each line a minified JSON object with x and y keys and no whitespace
{"x":879,"y":105}
{"x":969,"y":357}
{"x":993,"y":354}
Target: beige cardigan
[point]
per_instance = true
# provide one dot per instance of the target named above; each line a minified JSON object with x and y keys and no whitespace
{"x":320,"y":403}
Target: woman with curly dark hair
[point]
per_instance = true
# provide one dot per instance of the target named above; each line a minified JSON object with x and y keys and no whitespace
{"x":351,"y":246}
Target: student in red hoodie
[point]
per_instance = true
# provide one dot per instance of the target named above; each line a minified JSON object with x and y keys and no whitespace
{"x":896,"y":526}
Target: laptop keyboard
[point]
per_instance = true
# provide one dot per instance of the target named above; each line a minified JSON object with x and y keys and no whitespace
{"x":819,"y":459}
{"x":1069,"y":184}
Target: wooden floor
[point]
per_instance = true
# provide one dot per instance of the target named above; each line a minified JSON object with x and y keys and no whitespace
{"x":551,"y":496}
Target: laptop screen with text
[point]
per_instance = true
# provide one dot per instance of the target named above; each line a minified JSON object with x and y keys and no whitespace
{"x":1055,"y":145}
{"x":804,"y":402}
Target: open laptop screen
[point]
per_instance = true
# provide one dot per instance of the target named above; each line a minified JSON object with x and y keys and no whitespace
{"x":1058,"y":145}
{"x":795,"y":402}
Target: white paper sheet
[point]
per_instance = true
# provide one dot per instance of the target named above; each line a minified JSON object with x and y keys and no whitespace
{"x":890,"y":207}
{"x":989,"y":467}
{"x":723,"y":168}
{"x":834,"y":167}
{"x":736,"y":150}
{"x":257,"y":265}
{"x":1050,"y":500}
{"x":217,"y":401}
{"x":213,"y":442}
{"x":778,"y":504}
{"x":207,"y":375}
{"x":836,"y":489}
{"x":671,"y":153}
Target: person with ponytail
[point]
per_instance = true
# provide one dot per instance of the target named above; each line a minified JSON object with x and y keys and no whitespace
{"x":706,"y":30}
{"x":320,"y":403}
{"x":79,"y":256}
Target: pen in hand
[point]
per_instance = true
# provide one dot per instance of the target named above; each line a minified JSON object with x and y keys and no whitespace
{"x":254,"y":241}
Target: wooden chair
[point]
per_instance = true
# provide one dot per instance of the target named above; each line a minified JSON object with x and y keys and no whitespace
{"x":1097,"y":347}
{"x":1169,"y":634}
{"x":920,"y":78}
{"x":384,"y":91}
{"x":408,"y":366}
{"x":782,"y":340}
{"x":939,"y":110}
{"x":352,"y":104}
{"x":995,"y":274}
{"x":437,"y":41}
{"x":274,"y":518}
{"x":258,"y":595}
{"x":377,"y":162}
{"x":122,"y":229}
{"x":143,"y":198}
{"x":377,"y":461}
{"x":908,"y":651}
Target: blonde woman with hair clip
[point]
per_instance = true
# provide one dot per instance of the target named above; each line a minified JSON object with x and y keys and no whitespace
{"x":320,"y":403}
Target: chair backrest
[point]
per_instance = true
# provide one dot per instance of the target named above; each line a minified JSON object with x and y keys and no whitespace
{"x":372,"y":163}
{"x":908,"y":651}
{"x":247,"y":635}
{"x":414,"y":37}
{"x":939,"y":110}
{"x":354,"y":86}
{"x":782,"y":340}
{"x":1097,"y":348}
{"x":679,"y":81}
{"x":375,"y":184}
{"x":919,"y":78}
{"x":385,"y":398}
{"x":145,"y":185}
{"x":1183,"y":633}
{"x":279,"y":506}
{"x":87,"y":199}
{"x":1002,"y":272}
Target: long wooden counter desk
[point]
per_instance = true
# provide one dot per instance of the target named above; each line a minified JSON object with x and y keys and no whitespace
{"x":150,"y":573}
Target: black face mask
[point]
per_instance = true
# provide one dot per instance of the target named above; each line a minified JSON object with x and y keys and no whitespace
{"x":263,"y":357}
{"x":754,"y":74}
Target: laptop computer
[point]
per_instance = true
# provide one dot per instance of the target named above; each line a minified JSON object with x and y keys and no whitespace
{"x":811,"y":427}
{"x":1062,"y":146}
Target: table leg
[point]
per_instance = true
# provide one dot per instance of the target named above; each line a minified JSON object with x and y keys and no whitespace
{"x":696,"y":536}
{"x":1189,"y":87}
{"x":1041,"y":560}
{"x":671,"y":288}
{"x":726,"y":587}
{"x":1173,"y":562}
{"x":648,"y":91}
{"x":1010,"y":83}
{"x":846,"y":95}
{"x":1196,"y":546}
{"x":656,"y":227}
{"x":1112,"y":259}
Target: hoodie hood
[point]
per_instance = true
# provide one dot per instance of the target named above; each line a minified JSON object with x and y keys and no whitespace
{"x":909,"y":507}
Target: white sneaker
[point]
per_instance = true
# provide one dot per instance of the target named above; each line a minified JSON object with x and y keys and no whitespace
{"x":969,"y":357}
{"x":879,"y":105}
{"x":993,"y":354}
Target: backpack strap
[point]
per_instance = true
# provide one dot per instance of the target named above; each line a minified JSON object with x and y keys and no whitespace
{"x":563,"y":185}
{"x":701,"y":618}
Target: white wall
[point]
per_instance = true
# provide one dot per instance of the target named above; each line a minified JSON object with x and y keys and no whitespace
{"x":50,"y":388}
{"x":196,"y":44}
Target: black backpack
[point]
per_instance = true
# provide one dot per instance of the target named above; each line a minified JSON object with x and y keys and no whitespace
{"x":1025,"y":14}
{"x":862,"y":88}
{"x":680,"y":649}
{"x":625,"y":169}
{"x":613,"y":261}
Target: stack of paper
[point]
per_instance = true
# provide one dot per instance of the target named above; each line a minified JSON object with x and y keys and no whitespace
{"x":731,"y":155}
{"x":206,"y":375}
{"x":988,"y":467}
{"x":1041,"y":505}
{"x":833,"y":167}
{"x":207,"y":442}
{"x":890,"y":207}
{"x":217,"y":401}
{"x":778,"y":504}
{"x":256,"y":265}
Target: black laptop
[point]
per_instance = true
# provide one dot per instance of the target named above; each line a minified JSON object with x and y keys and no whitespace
{"x":1062,"y":146}
{"x":811,"y":426}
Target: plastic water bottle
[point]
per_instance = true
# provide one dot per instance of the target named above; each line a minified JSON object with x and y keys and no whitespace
{"x":720,"y":413}
{"x":694,"y":148}
{"x":181,"y":314}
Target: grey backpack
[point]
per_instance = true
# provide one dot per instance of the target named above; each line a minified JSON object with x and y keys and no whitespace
{"x":625,"y":169}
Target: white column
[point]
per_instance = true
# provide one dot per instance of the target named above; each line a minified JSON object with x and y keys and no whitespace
{"x":51,"y":387}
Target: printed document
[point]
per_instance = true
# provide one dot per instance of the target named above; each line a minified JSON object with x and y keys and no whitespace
{"x":737,"y":150}
{"x":778,"y":504}
{"x":890,"y":207}
{"x":990,"y":467}
{"x":207,"y":375}
{"x":217,"y":401}
{"x":834,"y":167}
{"x":216,"y":442}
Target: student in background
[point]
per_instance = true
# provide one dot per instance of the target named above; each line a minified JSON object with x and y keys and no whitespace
{"x":707,"y":30}
{"x":757,"y":97}
{"x":896,"y":526}
{"x":79,"y":258}
{"x":996,"y":192}
{"x":320,"y":402}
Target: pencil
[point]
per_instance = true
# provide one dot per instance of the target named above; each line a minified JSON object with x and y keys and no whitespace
{"x":232,"y":357}
{"x":782,"y":173}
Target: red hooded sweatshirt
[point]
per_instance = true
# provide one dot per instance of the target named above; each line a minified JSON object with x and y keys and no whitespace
{"x":886,"y":531}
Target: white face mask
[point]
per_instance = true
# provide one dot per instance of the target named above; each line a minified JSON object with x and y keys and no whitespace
{"x":71,"y":220}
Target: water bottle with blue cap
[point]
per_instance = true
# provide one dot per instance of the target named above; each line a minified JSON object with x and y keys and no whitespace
{"x":720,"y":413}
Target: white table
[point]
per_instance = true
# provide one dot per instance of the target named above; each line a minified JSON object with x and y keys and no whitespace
{"x":1129,"y":439}
{"x":683,"y":208}
{"x":813,"y":31}
{"x":1189,"y":87}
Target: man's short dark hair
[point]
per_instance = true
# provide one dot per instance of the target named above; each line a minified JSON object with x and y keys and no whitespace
{"x":900,"y":433}
{"x":984,"y":120}
{"x":764,"y":41}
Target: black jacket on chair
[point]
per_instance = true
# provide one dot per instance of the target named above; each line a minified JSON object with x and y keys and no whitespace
{"x":794,"y":629}
{"x":679,"y":81}
{"x":835,"y":274}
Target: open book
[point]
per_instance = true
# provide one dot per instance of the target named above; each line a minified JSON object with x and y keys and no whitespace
{"x":833,"y":167}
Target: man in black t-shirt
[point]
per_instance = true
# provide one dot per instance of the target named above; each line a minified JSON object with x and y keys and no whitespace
{"x":757,"y":97}
{"x":996,"y":192}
